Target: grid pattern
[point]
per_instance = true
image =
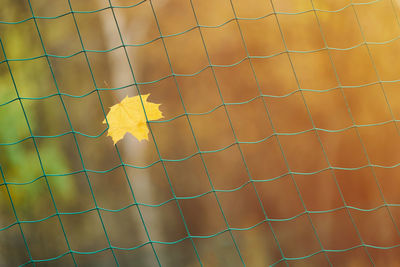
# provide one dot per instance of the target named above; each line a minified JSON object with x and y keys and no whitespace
{"x":224,"y":106}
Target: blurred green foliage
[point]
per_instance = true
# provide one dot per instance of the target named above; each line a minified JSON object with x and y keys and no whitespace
{"x":20,"y":161}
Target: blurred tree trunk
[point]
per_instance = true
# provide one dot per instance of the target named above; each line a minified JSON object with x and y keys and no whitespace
{"x":132,"y":151}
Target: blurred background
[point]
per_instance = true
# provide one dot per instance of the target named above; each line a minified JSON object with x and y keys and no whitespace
{"x":279,"y":146}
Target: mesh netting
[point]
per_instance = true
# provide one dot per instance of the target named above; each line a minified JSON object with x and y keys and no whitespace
{"x":279,"y":144}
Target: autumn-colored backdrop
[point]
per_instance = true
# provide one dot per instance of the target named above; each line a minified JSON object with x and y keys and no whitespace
{"x":280,"y":142}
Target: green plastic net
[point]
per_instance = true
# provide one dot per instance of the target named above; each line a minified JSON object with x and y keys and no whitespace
{"x":279,"y":146}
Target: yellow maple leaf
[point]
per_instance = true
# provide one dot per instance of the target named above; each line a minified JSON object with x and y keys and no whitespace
{"x":128,"y":116}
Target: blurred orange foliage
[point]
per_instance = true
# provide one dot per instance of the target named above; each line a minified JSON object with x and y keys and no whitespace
{"x":290,"y":112}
